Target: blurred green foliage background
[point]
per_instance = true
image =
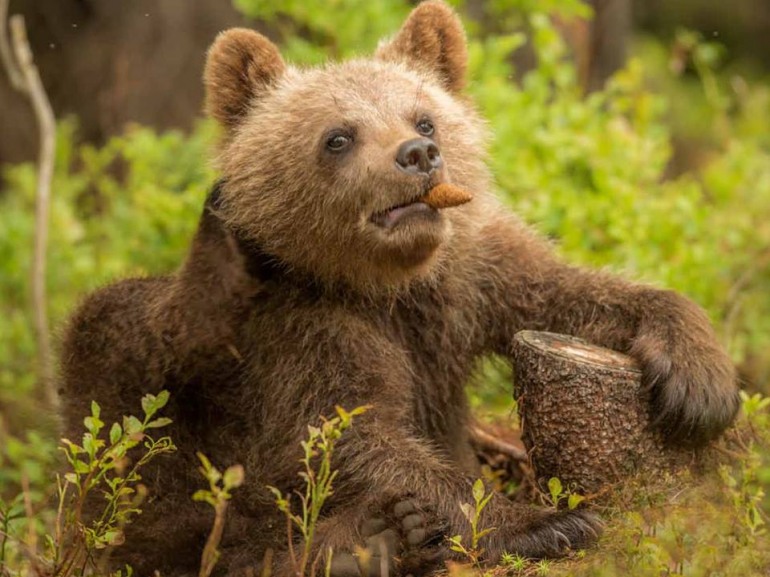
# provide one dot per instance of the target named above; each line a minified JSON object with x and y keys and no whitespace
{"x":594,"y":172}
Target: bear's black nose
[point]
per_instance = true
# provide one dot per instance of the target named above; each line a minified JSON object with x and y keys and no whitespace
{"x":418,"y":156}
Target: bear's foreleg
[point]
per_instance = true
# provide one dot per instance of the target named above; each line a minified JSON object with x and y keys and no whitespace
{"x":695,"y":396}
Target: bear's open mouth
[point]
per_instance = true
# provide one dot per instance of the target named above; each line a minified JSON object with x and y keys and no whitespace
{"x":394,"y":215}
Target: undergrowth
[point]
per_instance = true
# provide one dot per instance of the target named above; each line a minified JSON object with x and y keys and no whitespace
{"x":318,"y":477}
{"x":38,"y":539}
{"x":43,"y":537}
{"x":702,"y":522}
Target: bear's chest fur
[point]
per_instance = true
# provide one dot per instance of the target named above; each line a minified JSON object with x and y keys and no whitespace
{"x":303,"y":353}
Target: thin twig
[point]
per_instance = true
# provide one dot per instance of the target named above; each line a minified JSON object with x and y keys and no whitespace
{"x":290,"y":541}
{"x":30,"y":542}
{"x":210,"y":552}
{"x":14,"y":75}
{"x":30,"y":512}
{"x":61,"y":491}
{"x":25,"y":78}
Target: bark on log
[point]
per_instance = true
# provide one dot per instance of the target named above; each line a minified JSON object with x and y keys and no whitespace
{"x":585,"y":415}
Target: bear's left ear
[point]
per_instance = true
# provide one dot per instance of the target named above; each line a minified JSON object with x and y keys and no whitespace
{"x":432,"y":38}
{"x":241,"y":66}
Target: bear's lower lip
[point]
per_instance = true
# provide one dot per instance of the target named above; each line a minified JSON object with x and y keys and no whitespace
{"x":392,"y":217}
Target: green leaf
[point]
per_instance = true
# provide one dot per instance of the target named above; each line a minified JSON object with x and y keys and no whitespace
{"x":345,"y":417}
{"x":125,"y":491}
{"x":148,"y":404}
{"x":132,"y":425}
{"x":89,"y":445}
{"x":116,"y":432}
{"x":204,"y":461}
{"x":204,"y":496}
{"x":275,"y":491}
{"x":280,"y":501}
{"x":555,"y":488}
{"x":486,"y":531}
{"x":233,"y":477}
{"x":151,"y":404}
{"x":95,"y":409}
{"x":114,"y":537}
{"x":478,"y":490}
{"x":72,"y":448}
{"x":574,"y":500}
{"x":455,"y":544}
{"x":162,"y":399}
{"x":159,"y":422}
{"x":93,"y":425}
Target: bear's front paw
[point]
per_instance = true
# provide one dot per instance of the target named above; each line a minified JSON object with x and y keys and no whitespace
{"x":424,"y":537}
{"x":403,"y":539}
{"x":691,"y":378}
{"x":554,"y":534}
{"x":382,"y":545}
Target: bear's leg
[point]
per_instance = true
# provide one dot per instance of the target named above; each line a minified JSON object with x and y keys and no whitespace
{"x":694,"y":391}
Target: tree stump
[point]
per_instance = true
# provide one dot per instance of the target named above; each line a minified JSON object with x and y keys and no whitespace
{"x":585,"y":415}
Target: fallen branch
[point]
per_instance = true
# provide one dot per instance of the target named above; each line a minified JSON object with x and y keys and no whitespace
{"x":24,"y":77}
{"x":487,"y":441}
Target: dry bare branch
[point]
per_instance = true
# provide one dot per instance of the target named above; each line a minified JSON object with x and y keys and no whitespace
{"x":23,"y":74}
{"x":486,"y":440}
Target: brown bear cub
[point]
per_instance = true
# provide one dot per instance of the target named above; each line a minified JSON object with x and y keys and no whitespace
{"x":320,"y":277}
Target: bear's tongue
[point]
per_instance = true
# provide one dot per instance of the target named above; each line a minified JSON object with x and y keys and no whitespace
{"x":391,"y":218}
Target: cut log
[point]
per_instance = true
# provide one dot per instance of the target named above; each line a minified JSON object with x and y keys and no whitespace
{"x":585,"y":415}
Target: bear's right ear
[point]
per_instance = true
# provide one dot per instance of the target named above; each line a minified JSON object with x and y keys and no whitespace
{"x":240,"y":66}
{"x":432,"y":38}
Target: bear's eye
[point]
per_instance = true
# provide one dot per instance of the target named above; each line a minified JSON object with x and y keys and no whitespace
{"x":338,"y":141}
{"x":425,"y":127}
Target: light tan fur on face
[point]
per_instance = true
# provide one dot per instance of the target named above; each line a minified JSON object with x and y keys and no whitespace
{"x":311,"y":210}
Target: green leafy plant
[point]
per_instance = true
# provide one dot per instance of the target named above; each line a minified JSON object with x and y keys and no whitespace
{"x":108,"y":465}
{"x":543,"y":567}
{"x":557,"y":493}
{"x":514,"y":562}
{"x":318,"y":477}
{"x":472,"y":513}
{"x":103,"y":465}
{"x":218,"y":495}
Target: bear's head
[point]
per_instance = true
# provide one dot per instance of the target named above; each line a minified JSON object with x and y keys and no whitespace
{"x":323,"y":168}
